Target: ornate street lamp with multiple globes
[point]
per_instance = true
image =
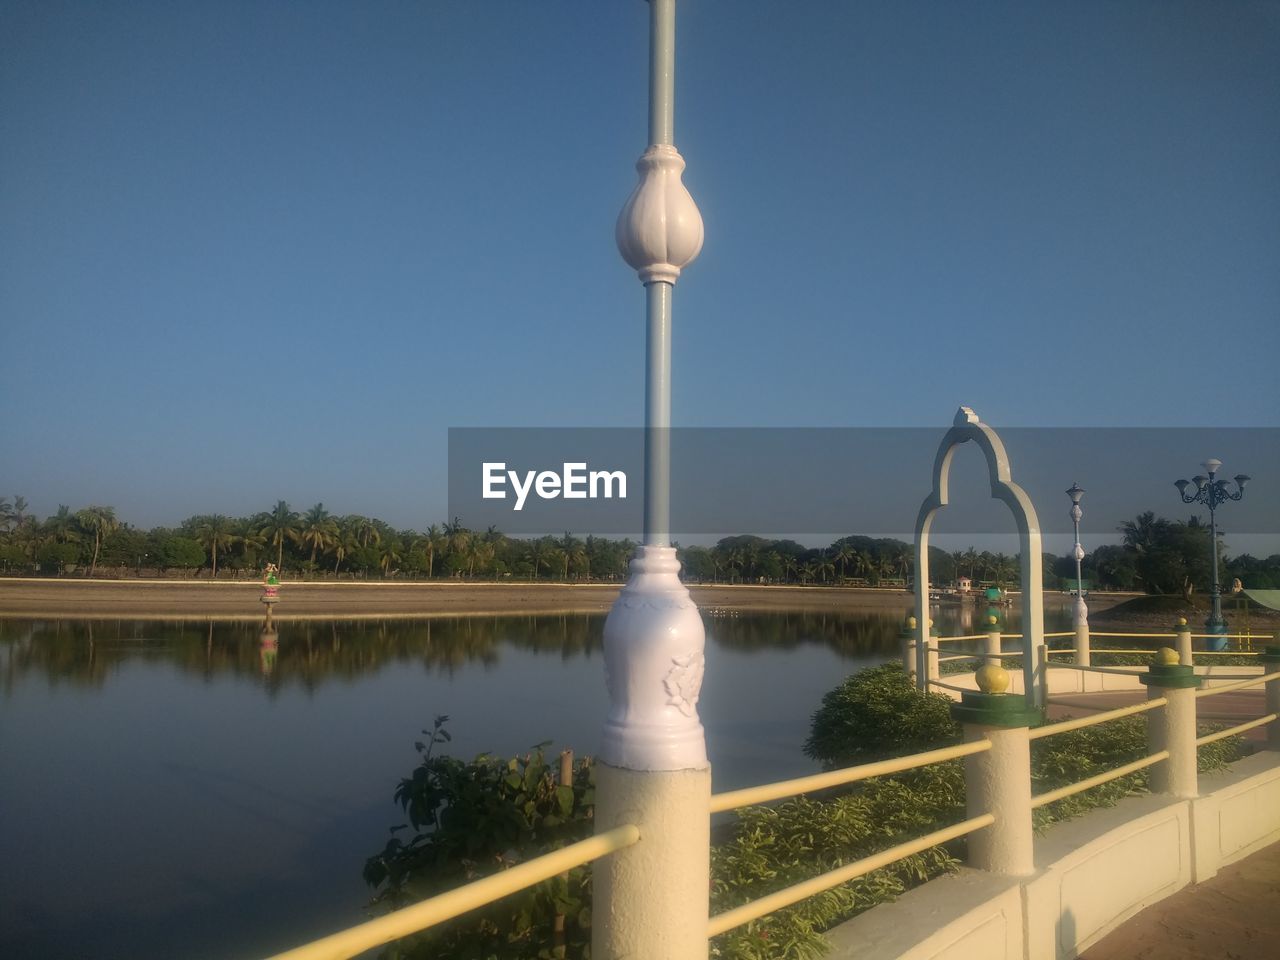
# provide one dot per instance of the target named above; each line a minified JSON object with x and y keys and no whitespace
{"x":1212,"y":492}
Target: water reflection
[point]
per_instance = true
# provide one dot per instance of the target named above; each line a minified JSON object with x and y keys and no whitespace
{"x":311,"y":652}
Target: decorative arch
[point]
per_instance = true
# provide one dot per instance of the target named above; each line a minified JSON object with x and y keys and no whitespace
{"x":967,"y":426}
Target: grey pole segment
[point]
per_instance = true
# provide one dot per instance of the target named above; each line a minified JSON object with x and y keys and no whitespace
{"x":657,"y":417}
{"x":662,"y":71}
{"x":657,"y":421}
{"x":1215,"y":617}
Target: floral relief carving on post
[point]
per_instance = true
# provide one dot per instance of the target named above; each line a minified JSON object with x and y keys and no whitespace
{"x":684,"y":681}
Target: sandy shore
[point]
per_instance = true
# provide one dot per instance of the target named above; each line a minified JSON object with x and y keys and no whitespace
{"x":115,"y":599}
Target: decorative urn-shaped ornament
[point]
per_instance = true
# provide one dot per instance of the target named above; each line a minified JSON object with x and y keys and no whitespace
{"x":659,"y":230}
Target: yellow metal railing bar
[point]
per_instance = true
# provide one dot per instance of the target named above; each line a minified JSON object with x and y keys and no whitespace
{"x":1214,"y":691}
{"x":1129,"y":670}
{"x":356,"y":940}
{"x":1231,"y":636}
{"x":972,"y":636}
{"x":793,"y":894}
{"x":950,"y":686}
{"x":1136,"y":636}
{"x":1238,"y":728}
{"x":1227,"y":653}
{"x":1065,"y":726}
{"x":1060,"y":633}
{"x":1041,"y":799}
{"x":821,"y":781}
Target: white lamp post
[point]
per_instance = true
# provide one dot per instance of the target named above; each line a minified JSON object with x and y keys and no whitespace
{"x":1082,"y":609}
{"x":652,"y":900}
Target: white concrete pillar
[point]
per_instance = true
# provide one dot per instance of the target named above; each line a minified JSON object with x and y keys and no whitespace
{"x":998,"y":781}
{"x":933,"y":668}
{"x":907,"y":640}
{"x":652,"y":899}
{"x":1173,"y":726}
{"x":994,"y":647}
{"x":1183,"y":631}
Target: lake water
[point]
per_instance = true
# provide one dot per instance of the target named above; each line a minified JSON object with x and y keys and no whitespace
{"x":178,"y":789}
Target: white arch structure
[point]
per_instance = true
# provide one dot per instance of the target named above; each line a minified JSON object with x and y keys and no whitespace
{"x":967,"y":426}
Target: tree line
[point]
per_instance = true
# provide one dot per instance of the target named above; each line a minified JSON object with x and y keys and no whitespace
{"x":1158,"y":555}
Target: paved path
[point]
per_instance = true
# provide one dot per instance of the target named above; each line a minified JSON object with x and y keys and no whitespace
{"x":1236,"y":706}
{"x":1234,"y":916}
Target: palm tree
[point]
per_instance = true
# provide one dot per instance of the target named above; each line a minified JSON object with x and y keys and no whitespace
{"x":841,"y":556}
{"x":458,"y":541}
{"x":214,"y":531}
{"x":61,"y":527}
{"x":1141,"y":533}
{"x":431,"y":541}
{"x":101,"y":522}
{"x":346,"y":541}
{"x":388,"y":554}
{"x":319,"y":530}
{"x":573,"y":551}
{"x":12,"y":514}
{"x":279,"y":525}
{"x":251,"y":540}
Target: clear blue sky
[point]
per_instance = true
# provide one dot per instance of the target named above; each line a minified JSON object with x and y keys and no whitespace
{"x":265,"y":250}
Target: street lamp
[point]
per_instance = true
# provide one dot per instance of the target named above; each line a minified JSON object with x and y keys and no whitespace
{"x":652,"y":766}
{"x":1212,"y":492}
{"x":1076,"y":493}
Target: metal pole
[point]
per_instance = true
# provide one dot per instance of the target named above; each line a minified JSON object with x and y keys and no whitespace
{"x":662,"y":71}
{"x":1215,"y":617}
{"x":657,"y":417}
{"x":1079,"y":559}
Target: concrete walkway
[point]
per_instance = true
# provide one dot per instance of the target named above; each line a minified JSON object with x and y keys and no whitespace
{"x":1236,"y":706}
{"x":1234,"y":916}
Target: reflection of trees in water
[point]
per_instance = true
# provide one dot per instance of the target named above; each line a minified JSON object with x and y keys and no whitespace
{"x":307,"y":652}
{"x":850,"y":635}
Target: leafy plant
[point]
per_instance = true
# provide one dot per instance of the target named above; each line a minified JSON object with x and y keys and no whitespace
{"x":471,"y":820}
{"x":878,"y":713}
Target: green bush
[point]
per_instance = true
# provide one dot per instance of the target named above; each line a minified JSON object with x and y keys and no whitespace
{"x":471,"y":820}
{"x":878,"y":713}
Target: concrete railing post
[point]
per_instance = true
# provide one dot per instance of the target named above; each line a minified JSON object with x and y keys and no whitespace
{"x":999,"y":781}
{"x":932,"y":667}
{"x":1173,"y":727}
{"x":908,"y":640}
{"x":994,"y":645}
{"x":652,"y":899}
{"x":1183,"y":631}
{"x":1271,"y":664}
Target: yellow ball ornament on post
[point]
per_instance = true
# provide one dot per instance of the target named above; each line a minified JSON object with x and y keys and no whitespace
{"x":992,"y":678}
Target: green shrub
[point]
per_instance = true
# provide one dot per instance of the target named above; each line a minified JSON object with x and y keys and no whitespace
{"x":878,"y":713}
{"x":474,"y":819}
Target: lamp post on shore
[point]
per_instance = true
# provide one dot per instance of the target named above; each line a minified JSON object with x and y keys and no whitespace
{"x":652,"y":899}
{"x":1212,"y":492}
{"x":1076,"y":493}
